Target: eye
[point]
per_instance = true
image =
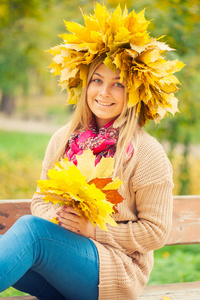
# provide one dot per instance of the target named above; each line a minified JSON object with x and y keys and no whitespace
{"x":97,"y":80}
{"x":118,"y":84}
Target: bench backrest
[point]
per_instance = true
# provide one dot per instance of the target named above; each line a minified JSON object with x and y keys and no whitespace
{"x":186,"y":221}
{"x":11,"y":211}
{"x":185,"y":228}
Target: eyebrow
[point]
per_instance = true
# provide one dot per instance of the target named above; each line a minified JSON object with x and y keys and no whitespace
{"x":102,"y":76}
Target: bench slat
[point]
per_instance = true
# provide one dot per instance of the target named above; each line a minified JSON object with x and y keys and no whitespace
{"x":186,"y":221}
{"x":19,"y":298}
{"x":185,"y":228}
{"x":11,"y":211}
{"x":175,"y":291}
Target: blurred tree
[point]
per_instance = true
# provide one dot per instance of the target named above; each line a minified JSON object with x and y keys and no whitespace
{"x":114,"y":3}
{"x":27,"y":28}
{"x":179,"y":20}
{"x":18,"y":39}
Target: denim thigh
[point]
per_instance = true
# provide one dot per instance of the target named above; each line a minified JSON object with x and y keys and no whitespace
{"x":67,"y":261}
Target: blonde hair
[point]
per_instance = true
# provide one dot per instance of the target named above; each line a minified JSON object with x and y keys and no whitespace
{"x":128,"y":130}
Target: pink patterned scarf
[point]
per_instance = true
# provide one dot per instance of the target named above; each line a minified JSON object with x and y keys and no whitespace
{"x":102,"y":143}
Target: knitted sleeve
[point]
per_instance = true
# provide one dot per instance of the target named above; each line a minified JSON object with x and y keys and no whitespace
{"x":38,"y":206}
{"x":152,"y":189}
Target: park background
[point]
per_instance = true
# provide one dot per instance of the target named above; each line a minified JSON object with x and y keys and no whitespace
{"x":32,"y":106}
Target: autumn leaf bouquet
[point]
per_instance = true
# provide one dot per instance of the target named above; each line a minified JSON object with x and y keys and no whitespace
{"x":87,"y":188}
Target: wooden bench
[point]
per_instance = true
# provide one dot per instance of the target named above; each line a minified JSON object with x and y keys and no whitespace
{"x":185,"y":230}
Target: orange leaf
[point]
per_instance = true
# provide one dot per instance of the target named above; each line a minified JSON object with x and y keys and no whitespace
{"x":111,"y":195}
{"x":114,"y":197}
{"x":100,"y":183}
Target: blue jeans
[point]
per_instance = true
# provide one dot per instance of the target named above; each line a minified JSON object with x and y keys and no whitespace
{"x":47,"y":261}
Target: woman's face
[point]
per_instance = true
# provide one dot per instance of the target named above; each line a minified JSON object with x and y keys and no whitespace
{"x":105,"y":95}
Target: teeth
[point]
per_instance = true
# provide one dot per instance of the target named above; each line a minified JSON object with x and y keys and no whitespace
{"x":104,"y":103}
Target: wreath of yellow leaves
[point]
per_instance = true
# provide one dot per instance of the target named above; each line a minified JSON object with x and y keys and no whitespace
{"x":124,"y":38}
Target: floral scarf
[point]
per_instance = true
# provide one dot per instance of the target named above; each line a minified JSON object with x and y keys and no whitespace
{"x":103,"y":142}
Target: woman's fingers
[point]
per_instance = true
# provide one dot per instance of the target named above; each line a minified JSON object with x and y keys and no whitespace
{"x":69,"y":209}
{"x":71,"y":228}
{"x":71,"y":220}
{"x":68,"y":218}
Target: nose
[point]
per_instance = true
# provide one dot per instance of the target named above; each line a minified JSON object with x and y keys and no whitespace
{"x":105,"y":91}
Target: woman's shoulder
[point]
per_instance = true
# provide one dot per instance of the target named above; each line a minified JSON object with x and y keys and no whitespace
{"x":152,"y":163}
{"x":55,"y":143}
{"x":59,"y":132}
{"x":57,"y":137}
{"x":149,"y":145}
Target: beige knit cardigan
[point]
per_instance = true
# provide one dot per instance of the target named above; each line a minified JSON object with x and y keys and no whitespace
{"x":144,"y":220}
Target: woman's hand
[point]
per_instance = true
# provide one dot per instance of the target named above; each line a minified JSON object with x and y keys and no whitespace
{"x":69,"y":218}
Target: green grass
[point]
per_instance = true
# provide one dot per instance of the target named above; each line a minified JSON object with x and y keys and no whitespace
{"x":11,"y":292}
{"x":176,"y":264}
{"x":18,"y":144}
{"x":21,"y":155}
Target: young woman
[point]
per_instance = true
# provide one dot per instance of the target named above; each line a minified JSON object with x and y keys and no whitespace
{"x":76,"y":260}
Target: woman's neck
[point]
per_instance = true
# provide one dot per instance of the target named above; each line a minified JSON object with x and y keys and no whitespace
{"x":103,"y":123}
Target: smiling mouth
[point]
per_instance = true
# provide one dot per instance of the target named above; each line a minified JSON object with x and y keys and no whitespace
{"x":104,"y":103}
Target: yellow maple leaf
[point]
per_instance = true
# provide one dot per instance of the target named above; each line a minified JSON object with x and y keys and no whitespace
{"x":166,"y":298}
{"x":102,"y":170}
{"x":113,"y":185}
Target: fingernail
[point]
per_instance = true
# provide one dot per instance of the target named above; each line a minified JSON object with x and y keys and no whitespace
{"x":60,"y":223}
{"x":57,"y":218}
{"x":58,"y":213}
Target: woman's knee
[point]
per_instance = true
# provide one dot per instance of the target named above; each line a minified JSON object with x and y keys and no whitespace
{"x":26,"y":220}
{"x":28,"y":225}
{"x":35,"y":227}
